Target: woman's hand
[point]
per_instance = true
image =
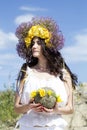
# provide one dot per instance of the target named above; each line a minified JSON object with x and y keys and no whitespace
{"x":51,"y":111}
{"x":37,"y":107}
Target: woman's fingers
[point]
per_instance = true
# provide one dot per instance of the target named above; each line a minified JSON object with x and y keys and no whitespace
{"x":47,"y":110}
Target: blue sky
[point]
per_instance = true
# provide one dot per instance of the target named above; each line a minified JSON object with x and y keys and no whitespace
{"x":71,"y":16}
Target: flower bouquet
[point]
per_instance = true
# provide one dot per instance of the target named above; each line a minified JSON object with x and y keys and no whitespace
{"x":46,"y":96}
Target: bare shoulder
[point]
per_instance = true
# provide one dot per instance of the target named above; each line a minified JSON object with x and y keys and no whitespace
{"x":68,"y":79}
{"x":66,"y":74}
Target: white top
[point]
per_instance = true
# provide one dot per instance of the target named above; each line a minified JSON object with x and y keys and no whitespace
{"x":39,"y":118}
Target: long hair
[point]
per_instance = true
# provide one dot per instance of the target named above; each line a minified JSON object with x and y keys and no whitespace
{"x":54,"y":59}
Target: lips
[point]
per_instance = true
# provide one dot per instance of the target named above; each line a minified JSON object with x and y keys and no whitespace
{"x":35,"y":51}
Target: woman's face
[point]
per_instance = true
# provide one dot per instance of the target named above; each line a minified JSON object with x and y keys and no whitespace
{"x":36,"y":48}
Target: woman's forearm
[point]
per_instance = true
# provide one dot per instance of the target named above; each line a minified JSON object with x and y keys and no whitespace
{"x":22,"y":108}
{"x":65,"y":110}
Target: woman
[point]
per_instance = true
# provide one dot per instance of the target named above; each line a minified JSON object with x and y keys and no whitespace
{"x":39,"y":43}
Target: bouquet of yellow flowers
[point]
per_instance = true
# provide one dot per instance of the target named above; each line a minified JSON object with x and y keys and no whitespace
{"x":46,"y":96}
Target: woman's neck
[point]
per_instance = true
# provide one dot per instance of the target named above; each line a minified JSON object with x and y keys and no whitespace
{"x":42,"y":64}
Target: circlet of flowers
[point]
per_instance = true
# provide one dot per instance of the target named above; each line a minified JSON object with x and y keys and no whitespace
{"x":38,"y":31}
{"x":46,"y":96}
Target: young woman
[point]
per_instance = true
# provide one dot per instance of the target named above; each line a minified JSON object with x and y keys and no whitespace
{"x":39,"y":44}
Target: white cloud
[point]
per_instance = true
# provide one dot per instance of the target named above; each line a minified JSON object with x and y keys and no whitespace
{"x":10,"y":59}
{"x":6,"y":58}
{"x":23,"y":18}
{"x":7,"y":39}
{"x":8,"y":55}
{"x":78,"y":51}
{"x":25,"y":8}
{"x":9,"y":64}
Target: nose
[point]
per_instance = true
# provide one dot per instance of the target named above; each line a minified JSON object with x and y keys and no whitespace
{"x":35,"y":45}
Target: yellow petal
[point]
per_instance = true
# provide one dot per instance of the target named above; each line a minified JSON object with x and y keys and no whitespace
{"x":59,"y":99}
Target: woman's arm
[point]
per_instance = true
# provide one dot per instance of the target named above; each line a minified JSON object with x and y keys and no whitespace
{"x":69,"y":108}
{"x":19,"y":108}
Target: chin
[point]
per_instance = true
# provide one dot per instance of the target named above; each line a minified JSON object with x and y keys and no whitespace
{"x":36,"y":55}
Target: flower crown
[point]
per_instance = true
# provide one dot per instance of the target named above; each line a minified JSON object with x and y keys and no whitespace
{"x":45,"y":28}
{"x":38,"y":31}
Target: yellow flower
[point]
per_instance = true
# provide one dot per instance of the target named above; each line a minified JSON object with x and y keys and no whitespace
{"x":27,"y":41}
{"x":59,"y":99}
{"x":49,"y":92}
{"x":42,"y":92}
{"x":38,"y":31}
{"x":33,"y":94}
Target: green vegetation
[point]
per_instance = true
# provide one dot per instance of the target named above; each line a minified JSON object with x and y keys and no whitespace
{"x":7,"y":113}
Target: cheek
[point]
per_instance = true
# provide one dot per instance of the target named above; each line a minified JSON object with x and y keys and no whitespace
{"x":40,"y":49}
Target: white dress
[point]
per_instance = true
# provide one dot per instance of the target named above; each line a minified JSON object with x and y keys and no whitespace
{"x":39,"y":120}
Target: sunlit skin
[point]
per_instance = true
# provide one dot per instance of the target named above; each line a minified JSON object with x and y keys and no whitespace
{"x":37,"y":52}
{"x":36,"y":48}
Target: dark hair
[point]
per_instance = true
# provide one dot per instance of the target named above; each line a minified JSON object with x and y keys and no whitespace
{"x":22,"y":72}
{"x":55,"y":62}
